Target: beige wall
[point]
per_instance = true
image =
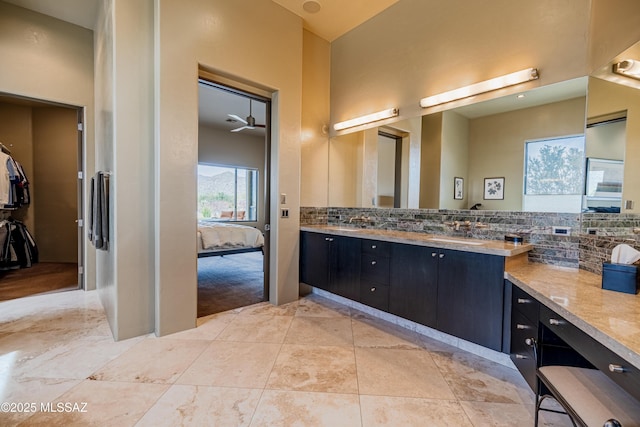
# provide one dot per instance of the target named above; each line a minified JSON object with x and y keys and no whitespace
{"x":188,"y":37}
{"x":496,"y":146}
{"x":417,"y":48}
{"x":54,"y":186}
{"x":124,"y":133}
{"x":345,"y":170}
{"x":430,"y":161}
{"x":54,"y":64}
{"x":613,"y":28}
{"x":314,"y":148}
{"x":454,"y":159}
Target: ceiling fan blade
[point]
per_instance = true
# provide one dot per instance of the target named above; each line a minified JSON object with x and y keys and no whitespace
{"x":238,"y":118}
{"x":260,"y":126}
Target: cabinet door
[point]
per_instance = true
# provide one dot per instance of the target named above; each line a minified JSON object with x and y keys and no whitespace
{"x":471,"y":296}
{"x":344,"y":276}
{"x":314,"y":259}
{"x":413,"y":283}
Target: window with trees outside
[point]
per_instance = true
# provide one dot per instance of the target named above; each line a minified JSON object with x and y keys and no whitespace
{"x":227,"y":193}
{"x":555,"y":166}
{"x":554,"y":174}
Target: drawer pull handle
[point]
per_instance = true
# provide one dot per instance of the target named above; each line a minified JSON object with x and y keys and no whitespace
{"x":521,"y":356}
{"x":530,"y":342}
{"x":441,"y":255}
{"x":373,"y":246}
{"x":555,"y":322}
{"x":373,"y":263}
{"x":433,"y":254}
{"x":373,"y":289}
{"x":523,"y":301}
{"x":616,"y":368}
{"x":521,"y":326}
{"x":328,"y":239}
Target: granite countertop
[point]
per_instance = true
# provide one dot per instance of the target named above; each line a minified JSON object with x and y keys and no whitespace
{"x":491,"y":247}
{"x":610,"y":317}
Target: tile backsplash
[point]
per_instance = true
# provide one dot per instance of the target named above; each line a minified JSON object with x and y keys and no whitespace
{"x":574,"y":249}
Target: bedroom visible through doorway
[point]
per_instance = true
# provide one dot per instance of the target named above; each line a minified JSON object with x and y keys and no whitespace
{"x":232,"y":198}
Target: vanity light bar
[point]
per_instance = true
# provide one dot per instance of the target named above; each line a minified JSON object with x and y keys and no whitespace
{"x":628,"y":67}
{"x":374,"y":117}
{"x":481,"y":87}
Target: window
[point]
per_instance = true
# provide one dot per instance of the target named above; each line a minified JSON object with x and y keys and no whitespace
{"x":554,"y":174}
{"x":554,"y":166}
{"x":227,"y":193}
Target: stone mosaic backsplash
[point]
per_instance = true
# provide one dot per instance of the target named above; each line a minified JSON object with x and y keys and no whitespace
{"x":576,"y":249}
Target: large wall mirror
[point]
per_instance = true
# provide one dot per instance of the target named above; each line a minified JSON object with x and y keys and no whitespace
{"x":538,"y":147}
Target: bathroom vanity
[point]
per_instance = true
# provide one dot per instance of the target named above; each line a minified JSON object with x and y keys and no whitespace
{"x":485,"y":292}
{"x":453,"y":285}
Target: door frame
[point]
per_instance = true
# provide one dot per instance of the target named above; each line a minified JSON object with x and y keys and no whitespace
{"x":80,"y":191}
{"x":249,"y":93}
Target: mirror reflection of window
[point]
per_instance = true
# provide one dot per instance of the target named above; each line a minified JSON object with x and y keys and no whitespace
{"x":227,"y":193}
{"x":606,"y":140}
{"x":554,"y":174}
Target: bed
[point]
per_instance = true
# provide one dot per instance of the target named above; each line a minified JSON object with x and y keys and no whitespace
{"x":216,"y":239}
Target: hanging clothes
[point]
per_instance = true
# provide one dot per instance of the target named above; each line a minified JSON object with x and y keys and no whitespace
{"x":14,"y":185}
{"x":17,"y":247}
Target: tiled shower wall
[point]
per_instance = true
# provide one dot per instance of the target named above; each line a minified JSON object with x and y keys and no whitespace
{"x":577,"y":249}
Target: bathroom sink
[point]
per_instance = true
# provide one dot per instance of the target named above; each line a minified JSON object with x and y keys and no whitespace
{"x":458,"y":241}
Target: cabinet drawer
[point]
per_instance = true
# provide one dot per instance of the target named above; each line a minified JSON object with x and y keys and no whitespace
{"x":374,"y":269}
{"x":375,"y":247}
{"x":614,"y":366}
{"x":524,"y":336}
{"x":376,"y":296}
{"x":525,"y":304}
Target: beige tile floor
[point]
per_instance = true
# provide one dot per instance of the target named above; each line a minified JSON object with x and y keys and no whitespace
{"x":309,"y":363}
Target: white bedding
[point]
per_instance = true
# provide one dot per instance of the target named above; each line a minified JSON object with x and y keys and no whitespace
{"x":228,"y":236}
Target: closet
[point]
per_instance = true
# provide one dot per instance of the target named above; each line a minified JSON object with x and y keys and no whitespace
{"x":44,"y":139}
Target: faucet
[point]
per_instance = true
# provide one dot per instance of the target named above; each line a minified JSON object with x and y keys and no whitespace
{"x":456,"y":225}
{"x":361,"y":218}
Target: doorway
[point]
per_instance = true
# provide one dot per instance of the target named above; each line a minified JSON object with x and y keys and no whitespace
{"x":44,"y":141}
{"x":233,"y":197}
{"x":389,"y":180}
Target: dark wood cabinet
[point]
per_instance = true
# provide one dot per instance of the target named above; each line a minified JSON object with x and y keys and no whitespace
{"x":471,"y":296}
{"x":315,"y":259}
{"x":413,"y":283}
{"x":460,"y":293}
{"x":524,"y":334}
{"x":331,"y":263}
{"x":374,"y":274}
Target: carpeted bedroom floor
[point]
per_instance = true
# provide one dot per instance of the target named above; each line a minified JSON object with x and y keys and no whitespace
{"x":229,"y":282}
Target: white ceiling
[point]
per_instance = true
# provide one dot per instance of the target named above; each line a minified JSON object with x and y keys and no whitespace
{"x":215,"y":105}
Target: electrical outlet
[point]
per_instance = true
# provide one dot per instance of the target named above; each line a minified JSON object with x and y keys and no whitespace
{"x":284,"y":213}
{"x":563,"y":231}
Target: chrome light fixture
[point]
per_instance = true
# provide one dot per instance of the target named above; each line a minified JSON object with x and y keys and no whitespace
{"x":628,"y":68}
{"x":481,"y":87}
{"x":374,"y":117}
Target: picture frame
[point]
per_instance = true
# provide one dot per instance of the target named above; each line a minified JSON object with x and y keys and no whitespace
{"x":458,"y":188}
{"x":494,"y":188}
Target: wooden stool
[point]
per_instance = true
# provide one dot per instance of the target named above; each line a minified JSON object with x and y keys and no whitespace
{"x":589,"y":397}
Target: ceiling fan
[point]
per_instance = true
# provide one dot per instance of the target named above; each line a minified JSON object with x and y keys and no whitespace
{"x":249,"y":122}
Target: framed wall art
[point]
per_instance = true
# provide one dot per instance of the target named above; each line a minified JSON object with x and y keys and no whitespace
{"x":458,"y":188}
{"x":494,"y":188}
